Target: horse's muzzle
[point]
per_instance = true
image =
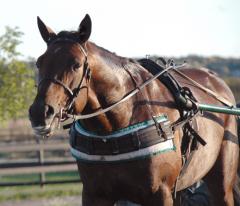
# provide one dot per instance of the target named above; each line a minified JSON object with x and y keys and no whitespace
{"x":43,"y":118}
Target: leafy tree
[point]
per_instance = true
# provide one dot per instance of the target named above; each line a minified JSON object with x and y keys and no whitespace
{"x":16,"y":77}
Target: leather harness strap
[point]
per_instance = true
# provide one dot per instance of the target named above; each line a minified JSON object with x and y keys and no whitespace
{"x":206,"y":90}
{"x":136,"y":140}
{"x":166,"y":79}
{"x":125,"y":143}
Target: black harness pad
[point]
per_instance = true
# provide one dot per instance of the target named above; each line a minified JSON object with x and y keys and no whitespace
{"x":167,"y":79}
{"x":178,"y":93}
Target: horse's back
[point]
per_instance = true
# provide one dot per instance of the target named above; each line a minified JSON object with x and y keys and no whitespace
{"x":208,"y":79}
{"x":211,"y":127}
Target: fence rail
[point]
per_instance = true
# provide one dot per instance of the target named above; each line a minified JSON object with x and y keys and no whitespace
{"x":38,"y":169}
{"x":43,"y":165}
{"x":34,"y":147}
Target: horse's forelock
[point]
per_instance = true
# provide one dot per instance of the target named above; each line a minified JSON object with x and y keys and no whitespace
{"x":67,"y":34}
{"x":64,"y":36}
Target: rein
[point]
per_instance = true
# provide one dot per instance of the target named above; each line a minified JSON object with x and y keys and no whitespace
{"x":87,"y":75}
{"x":124,"y":98}
{"x":206,"y":90}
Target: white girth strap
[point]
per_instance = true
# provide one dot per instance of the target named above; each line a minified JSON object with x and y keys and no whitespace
{"x":139,"y":154}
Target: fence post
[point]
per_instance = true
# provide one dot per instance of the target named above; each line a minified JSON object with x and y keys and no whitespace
{"x":40,"y":155}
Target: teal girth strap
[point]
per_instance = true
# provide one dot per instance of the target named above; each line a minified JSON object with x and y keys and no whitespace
{"x":119,"y":133}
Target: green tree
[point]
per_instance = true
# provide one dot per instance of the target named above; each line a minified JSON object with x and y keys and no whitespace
{"x":16,"y":77}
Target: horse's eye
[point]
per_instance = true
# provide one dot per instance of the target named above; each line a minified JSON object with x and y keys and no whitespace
{"x":76,"y":66}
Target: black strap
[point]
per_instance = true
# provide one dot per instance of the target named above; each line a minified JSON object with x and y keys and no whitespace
{"x":182,"y":96}
{"x":167,"y":79}
{"x":127,"y":143}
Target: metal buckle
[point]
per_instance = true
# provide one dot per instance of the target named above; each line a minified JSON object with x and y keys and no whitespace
{"x":166,"y":130}
{"x":135,"y":140}
{"x":158,"y":126}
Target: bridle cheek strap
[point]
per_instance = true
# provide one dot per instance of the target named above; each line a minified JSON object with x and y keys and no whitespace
{"x":75,"y":92}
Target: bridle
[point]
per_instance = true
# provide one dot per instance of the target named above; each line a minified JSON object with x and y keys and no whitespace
{"x":68,"y":110}
{"x":72,"y":93}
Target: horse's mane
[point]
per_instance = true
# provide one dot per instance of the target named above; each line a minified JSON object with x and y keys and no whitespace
{"x":113,"y":60}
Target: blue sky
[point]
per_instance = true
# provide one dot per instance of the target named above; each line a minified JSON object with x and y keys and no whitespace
{"x":134,"y":28}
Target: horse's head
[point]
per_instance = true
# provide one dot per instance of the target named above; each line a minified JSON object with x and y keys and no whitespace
{"x":63,"y":76}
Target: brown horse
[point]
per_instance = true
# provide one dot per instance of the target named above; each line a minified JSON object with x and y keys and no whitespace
{"x":65,"y":82}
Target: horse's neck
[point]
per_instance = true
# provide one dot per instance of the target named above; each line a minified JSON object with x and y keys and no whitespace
{"x":109,"y":83}
{"x":112,"y":78}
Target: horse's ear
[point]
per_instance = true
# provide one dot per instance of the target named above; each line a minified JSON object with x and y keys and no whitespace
{"x":46,"y":32}
{"x":85,"y":29}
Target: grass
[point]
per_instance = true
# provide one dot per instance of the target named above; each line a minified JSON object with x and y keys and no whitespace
{"x":18,"y":193}
{"x":36,"y":192}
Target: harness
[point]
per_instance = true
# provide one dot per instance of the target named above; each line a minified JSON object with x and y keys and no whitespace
{"x":136,"y":141}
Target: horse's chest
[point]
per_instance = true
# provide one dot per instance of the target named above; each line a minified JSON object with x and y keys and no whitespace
{"x":138,"y":178}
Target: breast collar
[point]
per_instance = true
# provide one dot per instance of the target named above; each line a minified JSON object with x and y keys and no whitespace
{"x":137,"y":141}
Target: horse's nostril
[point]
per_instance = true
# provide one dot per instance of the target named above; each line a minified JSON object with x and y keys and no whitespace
{"x":49,"y":111}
